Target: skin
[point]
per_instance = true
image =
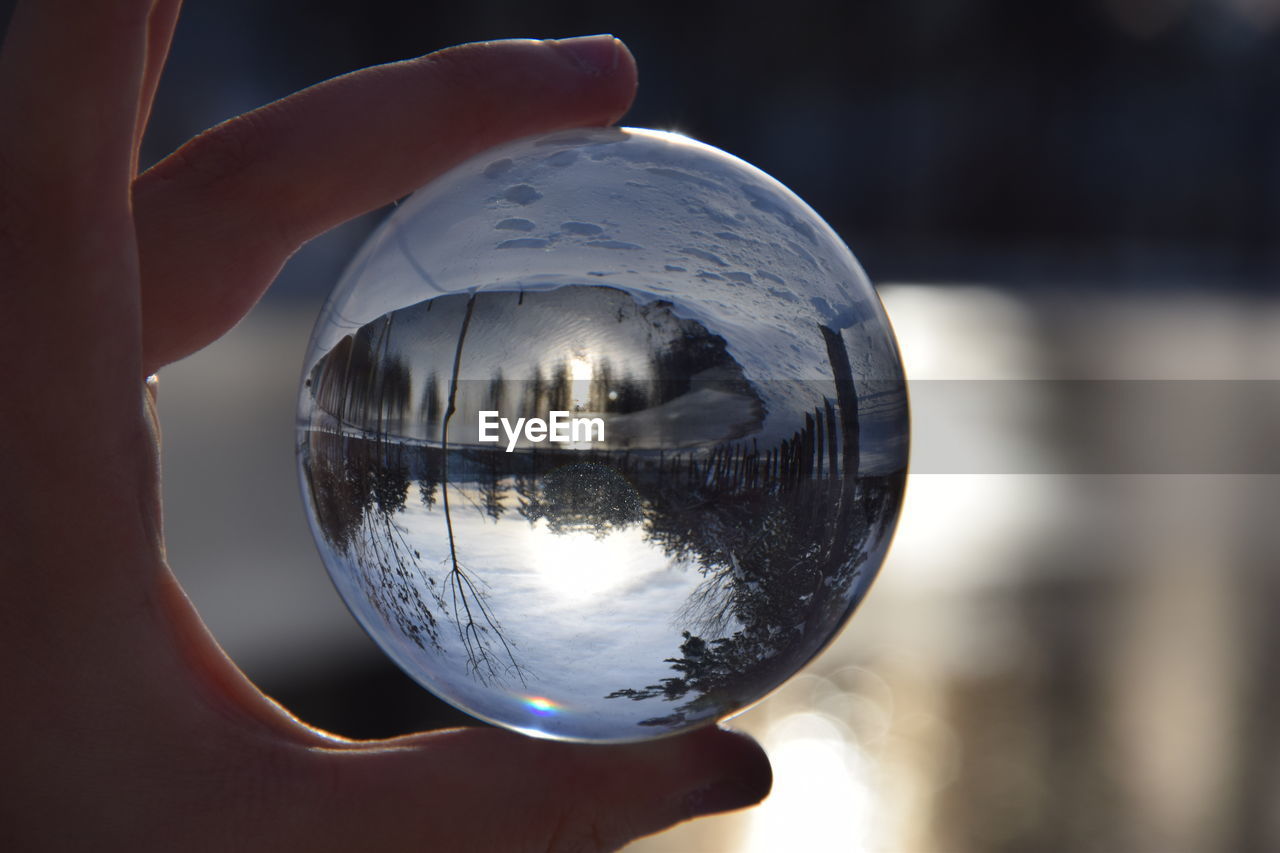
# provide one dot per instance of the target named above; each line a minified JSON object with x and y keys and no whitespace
{"x":124,"y":724}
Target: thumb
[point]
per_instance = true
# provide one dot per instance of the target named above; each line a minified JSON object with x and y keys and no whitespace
{"x":487,"y":789}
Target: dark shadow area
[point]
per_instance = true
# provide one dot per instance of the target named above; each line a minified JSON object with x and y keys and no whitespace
{"x":367,"y":698}
{"x":994,"y":139}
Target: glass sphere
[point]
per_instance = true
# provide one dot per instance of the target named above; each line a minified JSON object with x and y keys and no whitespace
{"x":603,"y":435}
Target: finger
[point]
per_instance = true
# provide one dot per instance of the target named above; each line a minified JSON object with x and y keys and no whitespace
{"x":486,"y":789}
{"x":164,"y":18}
{"x":70,"y":78}
{"x":73,"y":74}
{"x":218,"y":218}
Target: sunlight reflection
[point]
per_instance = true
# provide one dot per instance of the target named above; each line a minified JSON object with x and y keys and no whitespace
{"x":823,"y":791}
{"x":580,"y":565}
{"x":964,"y":347}
{"x":581,"y":372}
{"x":542,"y":706}
{"x":968,"y":530}
{"x":962,"y":332}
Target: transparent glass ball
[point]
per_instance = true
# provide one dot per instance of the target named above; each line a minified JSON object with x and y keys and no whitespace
{"x":603,"y":435}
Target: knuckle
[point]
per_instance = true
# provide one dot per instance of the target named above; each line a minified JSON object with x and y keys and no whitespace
{"x":222,"y":154}
{"x":460,"y":64}
{"x":473,"y":73}
{"x":577,"y":828}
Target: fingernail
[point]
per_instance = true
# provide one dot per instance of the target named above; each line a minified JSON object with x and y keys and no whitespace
{"x":723,"y":796}
{"x":595,"y":55}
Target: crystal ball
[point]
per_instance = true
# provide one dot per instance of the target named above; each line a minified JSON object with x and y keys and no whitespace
{"x":602,"y":435}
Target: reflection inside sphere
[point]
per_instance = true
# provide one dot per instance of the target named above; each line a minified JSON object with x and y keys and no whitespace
{"x":675,"y":564}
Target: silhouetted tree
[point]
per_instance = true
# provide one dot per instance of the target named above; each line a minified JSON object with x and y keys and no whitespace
{"x":585,"y":497}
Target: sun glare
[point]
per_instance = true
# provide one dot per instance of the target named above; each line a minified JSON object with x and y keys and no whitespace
{"x":581,"y":372}
{"x":578,"y":565}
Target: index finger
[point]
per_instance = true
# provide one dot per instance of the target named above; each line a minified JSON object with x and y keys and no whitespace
{"x":269,"y":180}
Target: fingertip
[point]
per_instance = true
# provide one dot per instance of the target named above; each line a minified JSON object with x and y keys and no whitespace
{"x":601,"y":73}
{"x":627,"y":791}
{"x":739,"y":770}
{"x":550,"y":794}
{"x":595,"y":56}
{"x":626,"y":75}
{"x":607,"y":59}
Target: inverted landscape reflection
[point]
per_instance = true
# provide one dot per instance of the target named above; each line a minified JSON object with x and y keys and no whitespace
{"x":663,"y":577}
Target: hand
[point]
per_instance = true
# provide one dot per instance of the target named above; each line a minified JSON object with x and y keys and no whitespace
{"x":125,"y":726}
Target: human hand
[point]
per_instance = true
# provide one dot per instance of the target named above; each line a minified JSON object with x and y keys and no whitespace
{"x":125,"y":726}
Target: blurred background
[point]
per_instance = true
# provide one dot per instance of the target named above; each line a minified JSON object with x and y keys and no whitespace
{"x":1072,"y":211}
